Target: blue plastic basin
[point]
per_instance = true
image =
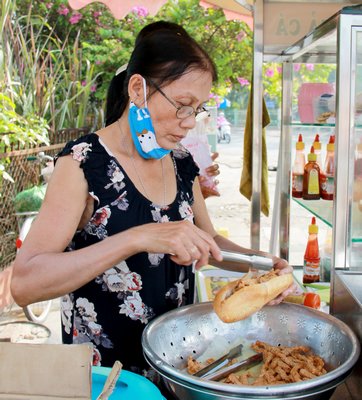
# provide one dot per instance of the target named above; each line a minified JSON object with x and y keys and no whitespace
{"x":138,"y":387}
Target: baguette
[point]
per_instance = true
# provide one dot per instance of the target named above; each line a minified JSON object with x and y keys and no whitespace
{"x":243,"y":297}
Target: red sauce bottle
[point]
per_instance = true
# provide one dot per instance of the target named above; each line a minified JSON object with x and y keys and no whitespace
{"x":317,"y":145}
{"x":298,"y":168}
{"x":311,"y":268}
{"x":327,"y":175}
{"x":311,"y":178}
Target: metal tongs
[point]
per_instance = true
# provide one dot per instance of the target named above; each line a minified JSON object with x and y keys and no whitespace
{"x":231,"y":261}
{"x":224,"y":372}
{"x":220,"y":362}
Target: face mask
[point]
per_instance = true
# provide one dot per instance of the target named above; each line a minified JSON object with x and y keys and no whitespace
{"x":142,"y":131}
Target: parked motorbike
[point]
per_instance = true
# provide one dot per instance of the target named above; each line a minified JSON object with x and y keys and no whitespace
{"x":223,"y":129}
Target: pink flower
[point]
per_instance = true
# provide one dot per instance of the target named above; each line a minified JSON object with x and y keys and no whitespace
{"x":140,"y":11}
{"x":296,"y":67}
{"x":63,"y":10}
{"x":240,"y":36}
{"x":279,"y":69}
{"x":49,"y":5}
{"x":75,"y":18}
{"x":243,"y":81}
{"x":84,"y":83}
{"x":310,"y":67}
{"x":93,"y":88}
{"x":98,"y":62}
{"x":97,"y":14}
{"x":269,"y":72}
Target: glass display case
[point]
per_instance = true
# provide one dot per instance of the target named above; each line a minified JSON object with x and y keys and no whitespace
{"x":337,"y":41}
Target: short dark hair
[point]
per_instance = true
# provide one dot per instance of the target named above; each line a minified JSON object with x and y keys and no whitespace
{"x":163,"y":52}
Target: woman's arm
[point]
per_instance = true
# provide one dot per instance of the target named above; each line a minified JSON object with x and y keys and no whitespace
{"x":42,"y":269}
{"x":203,"y":221}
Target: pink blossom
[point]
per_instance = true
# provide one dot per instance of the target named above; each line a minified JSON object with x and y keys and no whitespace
{"x":93,"y":88}
{"x":296,"y":67}
{"x":310,"y":67}
{"x":140,"y":11}
{"x":269,"y":72}
{"x":97,"y":14}
{"x":279,"y":69}
{"x":49,"y":5}
{"x":240,"y":36}
{"x":63,"y":10}
{"x":84,"y":83}
{"x":243,"y":81}
{"x":98,"y":62}
{"x":75,"y":18}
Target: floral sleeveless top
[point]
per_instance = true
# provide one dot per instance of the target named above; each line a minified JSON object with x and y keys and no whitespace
{"x":112,"y":310}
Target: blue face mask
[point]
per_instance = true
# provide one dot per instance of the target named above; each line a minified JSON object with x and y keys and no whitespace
{"x":143,"y":132}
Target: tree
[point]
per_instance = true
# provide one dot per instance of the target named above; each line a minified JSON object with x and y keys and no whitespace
{"x":107,"y":43}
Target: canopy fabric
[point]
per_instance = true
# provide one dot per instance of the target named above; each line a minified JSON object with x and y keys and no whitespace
{"x":232,"y":8}
{"x":121,"y":8}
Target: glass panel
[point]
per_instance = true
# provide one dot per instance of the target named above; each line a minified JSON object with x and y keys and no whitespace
{"x":356,"y":211}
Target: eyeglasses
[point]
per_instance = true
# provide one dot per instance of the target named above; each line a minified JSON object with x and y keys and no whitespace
{"x":183,"y":112}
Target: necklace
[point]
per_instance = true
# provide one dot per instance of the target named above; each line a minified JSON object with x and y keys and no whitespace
{"x":136,"y":170}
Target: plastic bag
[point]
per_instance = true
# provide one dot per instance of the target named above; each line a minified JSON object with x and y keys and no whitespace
{"x":30,"y":199}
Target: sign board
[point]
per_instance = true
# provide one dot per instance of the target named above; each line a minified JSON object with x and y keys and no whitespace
{"x":287,"y":22}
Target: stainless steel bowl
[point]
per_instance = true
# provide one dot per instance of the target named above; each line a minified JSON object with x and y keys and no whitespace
{"x":197,"y":331}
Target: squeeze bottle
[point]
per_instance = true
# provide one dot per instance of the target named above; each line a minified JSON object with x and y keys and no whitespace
{"x":311,"y":267}
{"x":298,"y":168}
{"x":318,"y":150}
{"x":327,"y":175}
{"x":311,"y":177}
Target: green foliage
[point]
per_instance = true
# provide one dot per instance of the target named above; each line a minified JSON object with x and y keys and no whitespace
{"x":16,"y":128}
{"x":44,"y":74}
{"x":107,"y":43}
{"x":302,"y":73}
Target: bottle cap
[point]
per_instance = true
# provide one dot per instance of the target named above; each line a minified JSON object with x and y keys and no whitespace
{"x":317,"y":144}
{"x":300,"y":144}
{"x":330,"y":147}
{"x":313,"y":228}
{"x":312,"y":156}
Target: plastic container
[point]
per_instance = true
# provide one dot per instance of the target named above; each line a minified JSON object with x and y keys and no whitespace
{"x":327,"y":175}
{"x":311,"y":178}
{"x":311,"y":266}
{"x":298,"y":168}
{"x":129,"y":386}
{"x":309,"y":93}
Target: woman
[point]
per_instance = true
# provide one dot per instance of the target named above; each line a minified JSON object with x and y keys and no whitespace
{"x":126,"y":206}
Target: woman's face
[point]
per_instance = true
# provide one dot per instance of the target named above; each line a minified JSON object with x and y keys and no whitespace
{"x":191,"y":89}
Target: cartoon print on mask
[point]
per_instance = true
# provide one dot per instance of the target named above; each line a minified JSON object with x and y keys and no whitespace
{"x":142,"y":131}
{"x":148,"y":141}
{"x":144,"y":113}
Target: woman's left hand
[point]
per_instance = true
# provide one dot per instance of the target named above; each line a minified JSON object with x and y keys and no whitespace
{"x":282,"y":267}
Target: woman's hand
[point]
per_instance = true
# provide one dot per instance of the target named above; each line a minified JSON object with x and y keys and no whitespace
{"x":211,"y":171}
{"x":282,"y":267}
{"x":184,"y":241}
